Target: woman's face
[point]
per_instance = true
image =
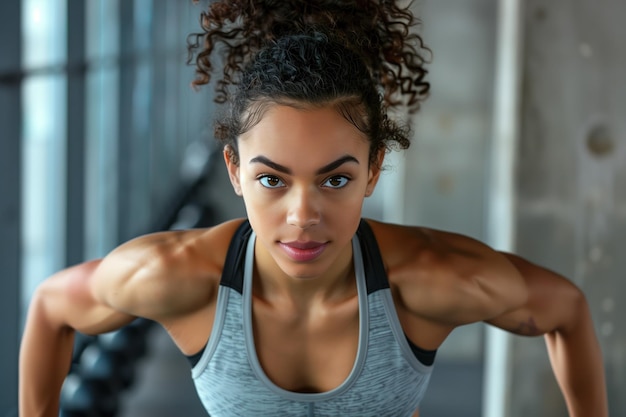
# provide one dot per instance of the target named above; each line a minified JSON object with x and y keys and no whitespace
{"x":303,"y":175}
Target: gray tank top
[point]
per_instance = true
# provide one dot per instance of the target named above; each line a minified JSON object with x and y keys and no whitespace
{"x":386,"y":379}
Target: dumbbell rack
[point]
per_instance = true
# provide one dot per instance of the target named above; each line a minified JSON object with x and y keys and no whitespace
{"x":102,"y":367}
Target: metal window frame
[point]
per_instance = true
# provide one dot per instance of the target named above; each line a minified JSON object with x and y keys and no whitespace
{"x":10,"y":206}
{"x":75,"y":156}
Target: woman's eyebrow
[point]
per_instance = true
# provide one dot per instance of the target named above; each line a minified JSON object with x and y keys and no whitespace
{"x":336,"y":164}
{"x":266,"y":161}
{"x":323,"y":170}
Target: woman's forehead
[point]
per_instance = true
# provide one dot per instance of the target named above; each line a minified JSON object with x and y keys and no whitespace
{"x":287,"y":126}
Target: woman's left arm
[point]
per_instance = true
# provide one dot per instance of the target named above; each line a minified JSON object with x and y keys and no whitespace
{"x":557,"y":309}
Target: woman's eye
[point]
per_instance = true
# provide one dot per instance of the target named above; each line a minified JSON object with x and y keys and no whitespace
{"x":270,"y":181}
{"x":336,"y":182}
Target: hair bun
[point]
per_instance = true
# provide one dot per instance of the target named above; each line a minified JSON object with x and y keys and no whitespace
{"x":380,"y":32}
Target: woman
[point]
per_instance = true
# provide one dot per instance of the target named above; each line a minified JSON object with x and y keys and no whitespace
{"x":305,"y":308}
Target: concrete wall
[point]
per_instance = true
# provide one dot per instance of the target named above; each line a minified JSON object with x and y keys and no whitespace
{"x":571,"y":183}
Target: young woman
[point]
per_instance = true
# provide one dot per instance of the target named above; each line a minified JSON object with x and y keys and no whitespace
{"x":304,"y":308}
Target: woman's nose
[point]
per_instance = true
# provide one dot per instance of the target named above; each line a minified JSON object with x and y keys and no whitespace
{"x":304,"y":209}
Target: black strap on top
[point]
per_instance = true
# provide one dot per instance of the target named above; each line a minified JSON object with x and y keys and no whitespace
{"x":232,"y":275}
{"x":376,"y":279}
{"x":375,"y":274}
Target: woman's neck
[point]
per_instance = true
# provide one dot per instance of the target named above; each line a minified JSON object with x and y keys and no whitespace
{"x":274,"y":286}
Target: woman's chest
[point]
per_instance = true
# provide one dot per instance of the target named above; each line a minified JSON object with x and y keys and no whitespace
{"x":314,"y":352}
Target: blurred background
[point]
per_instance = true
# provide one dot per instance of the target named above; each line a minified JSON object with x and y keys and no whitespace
{"x":522,"y":144}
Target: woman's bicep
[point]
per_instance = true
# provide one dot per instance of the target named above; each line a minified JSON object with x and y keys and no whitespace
{"x":159,"y":277}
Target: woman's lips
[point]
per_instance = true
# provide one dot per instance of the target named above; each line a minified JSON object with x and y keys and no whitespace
{"x":303,"y":251}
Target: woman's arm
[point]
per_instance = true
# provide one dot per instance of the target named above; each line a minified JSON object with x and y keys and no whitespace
{"x":164,"y":277}
{"x":60,"y":304}
{"x":558,"y":309}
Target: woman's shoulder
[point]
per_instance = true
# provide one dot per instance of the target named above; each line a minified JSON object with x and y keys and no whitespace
{"x":446,"y":276}
{"x":169,"y":248}
{"x":171,"y":258}
{"x":416,"y":255}
{"x":404,"y":243}
{"x":166,"y":269}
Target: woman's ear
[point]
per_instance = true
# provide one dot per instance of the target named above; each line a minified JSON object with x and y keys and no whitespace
{"x":232,"y":165}
{"x":374,"y":174}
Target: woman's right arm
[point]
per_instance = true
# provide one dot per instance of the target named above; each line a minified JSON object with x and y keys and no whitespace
{"x":62,"y":303}
{"x":165,"y":277}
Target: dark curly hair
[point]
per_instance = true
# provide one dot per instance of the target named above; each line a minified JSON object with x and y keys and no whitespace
{"x":359,"y":56}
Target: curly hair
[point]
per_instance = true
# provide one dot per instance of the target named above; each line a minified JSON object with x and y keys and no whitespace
{"x":359,"y":55}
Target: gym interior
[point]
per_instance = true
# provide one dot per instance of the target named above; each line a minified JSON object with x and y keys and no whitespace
{"x":522,"y":144}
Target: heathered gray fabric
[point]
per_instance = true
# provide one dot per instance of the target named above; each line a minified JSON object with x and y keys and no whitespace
{"x":387,"y":380}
